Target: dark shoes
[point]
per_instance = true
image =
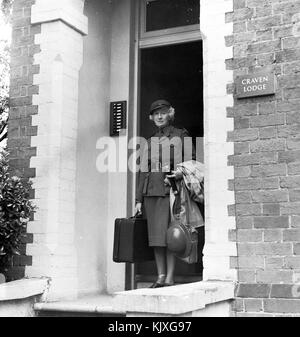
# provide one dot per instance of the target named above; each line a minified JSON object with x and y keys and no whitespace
{"x":160,"y":285}
{"x":157,"y":285}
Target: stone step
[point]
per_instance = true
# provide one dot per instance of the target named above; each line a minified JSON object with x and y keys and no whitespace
{"x":198,"y":299}
{"x":92,"y":306}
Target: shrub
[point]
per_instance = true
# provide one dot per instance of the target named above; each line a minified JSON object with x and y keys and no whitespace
{"x":15,"y":211}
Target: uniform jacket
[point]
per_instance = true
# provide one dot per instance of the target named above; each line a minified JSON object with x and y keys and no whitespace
{"x":156,"y":162}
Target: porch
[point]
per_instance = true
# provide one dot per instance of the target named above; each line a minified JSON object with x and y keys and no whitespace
{"x":28,"y":297}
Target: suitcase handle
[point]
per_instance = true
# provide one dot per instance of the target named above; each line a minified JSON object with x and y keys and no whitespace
{"x":137,"y":215}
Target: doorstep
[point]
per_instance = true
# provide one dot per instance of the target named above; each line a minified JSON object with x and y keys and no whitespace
{"x":178,"y":300}
{"x":192,"y":299}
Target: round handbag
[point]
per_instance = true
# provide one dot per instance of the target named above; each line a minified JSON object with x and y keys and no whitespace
{"x":179,"y":240}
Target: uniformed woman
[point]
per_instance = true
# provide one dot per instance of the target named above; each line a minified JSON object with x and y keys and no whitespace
{"x":154,"y":186}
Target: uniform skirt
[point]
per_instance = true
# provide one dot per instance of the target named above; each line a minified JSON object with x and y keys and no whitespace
{"x":158,"y":218}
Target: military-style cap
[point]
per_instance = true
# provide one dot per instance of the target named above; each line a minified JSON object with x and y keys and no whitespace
{"x":159,"y":104}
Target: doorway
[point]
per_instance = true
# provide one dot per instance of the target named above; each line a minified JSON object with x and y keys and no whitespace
{"x":173,"y":72}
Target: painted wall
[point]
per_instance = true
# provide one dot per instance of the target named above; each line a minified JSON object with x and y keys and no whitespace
{"x":101,"y":197}
{"x":120,"y":88}
{"x":93,"y":122}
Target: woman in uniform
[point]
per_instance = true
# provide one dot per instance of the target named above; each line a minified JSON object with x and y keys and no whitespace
{"x":154,"y":186}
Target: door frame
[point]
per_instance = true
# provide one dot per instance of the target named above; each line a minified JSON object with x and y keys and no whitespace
{"x":160,"y":38}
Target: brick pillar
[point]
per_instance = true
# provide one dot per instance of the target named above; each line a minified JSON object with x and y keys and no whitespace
{"x":22,"y":108}
{"x":218,"y":249}
{"x":267,"y":160}
{"x":60,"y":39}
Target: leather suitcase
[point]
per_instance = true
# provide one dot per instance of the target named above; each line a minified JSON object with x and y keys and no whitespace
{"x":131,"y":241}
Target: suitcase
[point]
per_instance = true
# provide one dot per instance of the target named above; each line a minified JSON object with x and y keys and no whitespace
{"x":131,"y":241}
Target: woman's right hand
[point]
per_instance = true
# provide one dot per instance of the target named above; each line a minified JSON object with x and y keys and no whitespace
{"x":138,"y":208}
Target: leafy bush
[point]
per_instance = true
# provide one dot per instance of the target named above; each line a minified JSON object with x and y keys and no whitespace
{"x":15,"y":211}
{"x":6,"y":8}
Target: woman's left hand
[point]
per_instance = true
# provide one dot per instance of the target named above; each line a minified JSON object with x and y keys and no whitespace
{"x":175,"y":174}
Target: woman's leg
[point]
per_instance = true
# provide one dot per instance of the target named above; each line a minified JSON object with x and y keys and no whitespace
{"x":160,"y":258}
{"x":171,"y":262}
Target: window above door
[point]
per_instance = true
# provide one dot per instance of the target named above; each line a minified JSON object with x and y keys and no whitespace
{"x":169,"y":21}
{"x":168,"y":14}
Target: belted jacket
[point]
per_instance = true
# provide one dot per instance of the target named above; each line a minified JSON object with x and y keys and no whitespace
{"x":165,"y":149}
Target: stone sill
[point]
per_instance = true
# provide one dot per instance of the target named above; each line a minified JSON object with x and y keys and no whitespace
{"x":21,"y":289}
{"x":174,"y":300}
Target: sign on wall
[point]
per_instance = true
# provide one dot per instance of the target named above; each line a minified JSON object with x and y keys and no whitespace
{"x":259,"y":84}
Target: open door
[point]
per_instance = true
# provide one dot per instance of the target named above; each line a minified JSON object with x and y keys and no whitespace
{"x":173,"y":72}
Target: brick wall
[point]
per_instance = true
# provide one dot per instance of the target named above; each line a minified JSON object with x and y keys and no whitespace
{"x":266,"y":161}
{"x":20,"y":128}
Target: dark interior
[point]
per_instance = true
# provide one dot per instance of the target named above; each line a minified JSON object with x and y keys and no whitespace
{"x":174,"y":73}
